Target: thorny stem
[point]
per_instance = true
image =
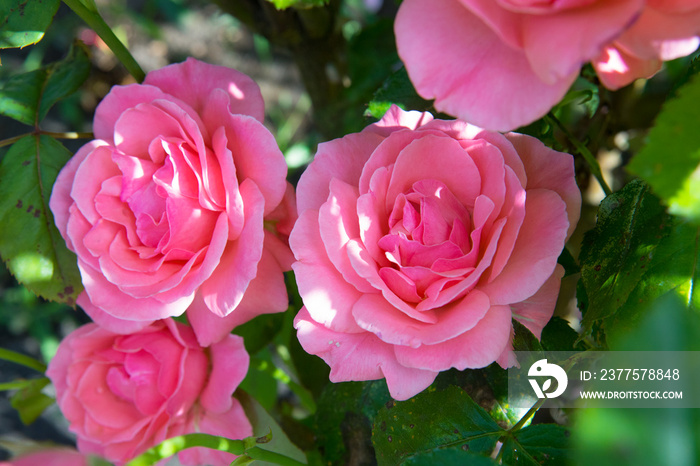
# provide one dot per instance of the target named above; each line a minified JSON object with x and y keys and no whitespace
{"x":95,"y":21}
{"x":583,"y":150}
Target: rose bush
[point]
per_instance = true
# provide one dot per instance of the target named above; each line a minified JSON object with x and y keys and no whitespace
{"x":166,"y":208}
{"x":500,"y":64}
{"x":418,"y":240}
{"x":123,"y":394}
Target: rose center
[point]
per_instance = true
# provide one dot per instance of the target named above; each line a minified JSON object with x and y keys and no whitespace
{"x":427,"y":241}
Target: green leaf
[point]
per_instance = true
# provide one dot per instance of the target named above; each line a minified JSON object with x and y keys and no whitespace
{"x":343,"y":421}
{"x":30,"y":402}
{"x":260,"y":331}
{"x":672,"y":269}
{"x":30,"y":243}
{"x":615,"y":253}
{"x":263,"y":424}
{"x":283,"y":4}
{"x":398,"y":90}
{"x":670,"y":161}
{"x":539,"y":444}
{"x":449,"y":457}
{"x":28,"y":97}
{"x":558,"y":335}
{"x":524,"y":340}
{"x":23,"y":22}
{"x":431,"y":421}
{"x":567,"y":261}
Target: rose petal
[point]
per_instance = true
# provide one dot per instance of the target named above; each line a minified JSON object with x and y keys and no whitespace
{"x":360,"y":357}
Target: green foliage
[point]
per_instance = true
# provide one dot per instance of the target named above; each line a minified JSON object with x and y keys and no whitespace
{"x":343,"y":421}
{"x":30,"y":402}
{"x":431,"y":421}
{"x":28,"y":97}
{"x":23,"y":22}
{"x":30,"y":243}
{"x":616,"y":253}
{"x":283,"y":4}
{"x":264,"y":424}
{"x":670,"y":161}
{"x":396,"y":90}
{"x":540,"y":444}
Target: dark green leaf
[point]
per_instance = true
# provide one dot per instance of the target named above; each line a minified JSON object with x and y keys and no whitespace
{"x":488,"y":387}
{"x":398,"y":90}
{"x":28,"y":97}
{"x":260,"y":331}
{"x":346,"y":412}
{"x":558,"y":335}
{"x":673,"y":268}
{"x":567,"y":261}
{"x":30,"y":243}
{"x":449,"y":457}
{"x":669,"y":162}
{"x":523,"y":339}
{"x":615,"y":253}
{"x":23,"y":22}
{"x":30,"y":402}
{"x":263,"y":423}
{"x":540,"y":444}
{"x":282,"y":4}
{"x":431,"y":421}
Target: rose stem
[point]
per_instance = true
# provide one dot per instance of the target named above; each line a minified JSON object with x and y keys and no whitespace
{"x":583,"y":150}
{"x":95,"y":21}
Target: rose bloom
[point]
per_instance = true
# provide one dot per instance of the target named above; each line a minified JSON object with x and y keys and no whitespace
{"x":418,"y":241}
{"x":500,"y":64}
{"x":180,"y":202}
{"x":56,"y":456}
{"x":123,"y":394}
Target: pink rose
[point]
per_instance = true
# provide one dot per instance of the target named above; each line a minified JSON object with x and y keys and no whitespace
{"x":418,"y":241}
{"x":501,"y":64}
{"x":58,"y":456}
{"x":123,"y":394}
{"x":166,"y":208}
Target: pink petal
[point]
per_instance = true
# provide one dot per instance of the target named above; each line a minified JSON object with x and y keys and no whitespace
{"x":535,"y":311}
{"x":119,"y":99}
{"x":106,"y":296}
{"x":396,"y":119}
{"x":557,"y":45}
{"x":342,"y":158}
{"x":549,"y":169}
{"x":616,"y":68}
{"x":540,"y":241}
{"x":375,"y":315}
{"x":108,"y":321}
{"x":193,"y":82}
{"x":265,"y":294}
{"x":61,"y":200}
{"x":256,"y":157}
{"x":338,"y":224}
{"x":327,"y":295}
{"x":473,"y":349}
{"x":456,"y":56}
{"x":224,"y":289}
{"x":229,"y":365}
{"x":360,"y":356}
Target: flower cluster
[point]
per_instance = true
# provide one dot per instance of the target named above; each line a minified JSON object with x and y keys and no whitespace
{"x":179,"y":205}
